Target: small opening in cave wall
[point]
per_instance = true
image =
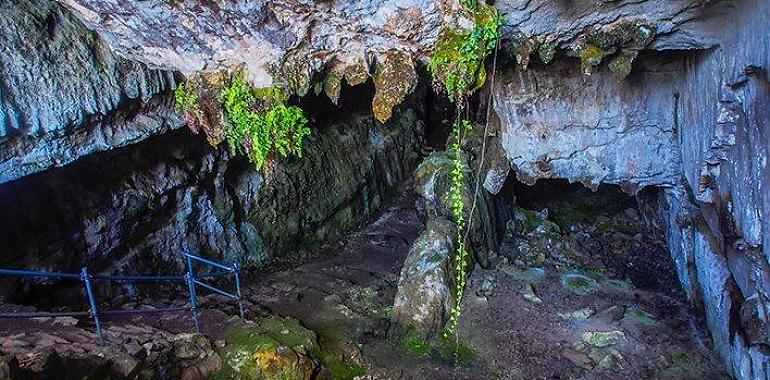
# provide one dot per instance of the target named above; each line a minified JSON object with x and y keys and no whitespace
{"x":567,"y":225}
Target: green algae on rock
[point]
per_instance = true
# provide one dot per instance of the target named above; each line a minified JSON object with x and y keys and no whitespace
{"x":394,"y":79}
{"x":273,"y":349}
{"x":579,"y":284}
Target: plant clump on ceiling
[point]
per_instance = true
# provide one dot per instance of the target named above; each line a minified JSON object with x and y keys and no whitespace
{"x":457,"y":63}
{"x":255,"y":122}
{"x":262,"y":126}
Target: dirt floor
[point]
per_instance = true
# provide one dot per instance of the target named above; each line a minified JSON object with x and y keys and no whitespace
{"x":520,"y":322}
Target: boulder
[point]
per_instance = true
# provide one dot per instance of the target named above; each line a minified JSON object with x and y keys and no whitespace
{"x":425,"y":288}
{"x":194,"y":359}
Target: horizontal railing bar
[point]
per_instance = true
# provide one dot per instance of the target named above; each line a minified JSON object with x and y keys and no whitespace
{"x":209,"y":262}
{"x":29,"y":273}
{"x":142,"y":311}
{"x":215,"y":289}
{"x":43,"y":314}
{"x":137,"y":278}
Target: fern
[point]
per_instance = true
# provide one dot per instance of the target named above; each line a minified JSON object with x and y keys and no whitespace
{"x":279,"y":129}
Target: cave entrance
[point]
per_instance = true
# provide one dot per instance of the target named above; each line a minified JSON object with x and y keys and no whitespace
{"x":607,"y":232}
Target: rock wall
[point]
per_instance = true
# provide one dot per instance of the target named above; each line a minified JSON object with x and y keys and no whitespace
{"x":137,"y":209}
{"x":64,"y":94}
{"x":693,"y":122}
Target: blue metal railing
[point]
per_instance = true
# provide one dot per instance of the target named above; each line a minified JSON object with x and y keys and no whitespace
{"x":192,"y":280}
{"x":95,"y":314}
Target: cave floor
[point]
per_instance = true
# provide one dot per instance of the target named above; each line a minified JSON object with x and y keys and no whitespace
{"x":518,"y":323}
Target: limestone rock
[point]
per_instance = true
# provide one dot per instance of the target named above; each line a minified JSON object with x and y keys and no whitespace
{"x":65,"y":94}
{"x":425,"y":287}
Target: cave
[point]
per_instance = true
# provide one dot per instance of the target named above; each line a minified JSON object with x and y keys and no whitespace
{"x":196,"y":189}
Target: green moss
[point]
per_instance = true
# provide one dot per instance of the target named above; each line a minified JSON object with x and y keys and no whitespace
{"x":261,"y":125}
{"x":416,"y":346}
{"x":679,"y":358}
{"x":340,"y":369}
{"x":642,"y":317}
{"x":579,"y":284}
{"x":446,"y":348}
{"x":590,"y":56}
{"x":624,"y":33}
{"x":457,"y":62}
{"x":629,"y":36}
{"x":454,"y":351}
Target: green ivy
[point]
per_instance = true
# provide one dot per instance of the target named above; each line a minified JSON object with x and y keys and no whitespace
{"x":278,"y":128}
{"x":455,"y":196}
{"x":457,"y":64}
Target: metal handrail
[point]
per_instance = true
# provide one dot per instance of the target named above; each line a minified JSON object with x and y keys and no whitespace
{"x":94,"y":313}
{"x":192,"y":280}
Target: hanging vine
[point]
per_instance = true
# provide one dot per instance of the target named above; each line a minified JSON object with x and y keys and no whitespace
{"x":457,"y":66}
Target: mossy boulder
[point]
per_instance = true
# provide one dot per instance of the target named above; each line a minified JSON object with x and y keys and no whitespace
{"x":274,"y":349}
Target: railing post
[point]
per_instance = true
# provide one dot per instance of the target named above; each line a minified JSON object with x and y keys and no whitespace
{"x":238,"y":288}
{"x":92,"y":302}
{"x":191,"y":288}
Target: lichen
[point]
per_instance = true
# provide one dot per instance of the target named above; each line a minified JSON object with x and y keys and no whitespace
{"x":393,"y":81}
{"x":546,"y":51}
{"x":620,"y":65}
{"x":356,"y":73}
{"x":332,"y":85}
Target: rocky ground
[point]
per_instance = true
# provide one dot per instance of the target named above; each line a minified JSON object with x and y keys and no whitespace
{"x":548,"y":310}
